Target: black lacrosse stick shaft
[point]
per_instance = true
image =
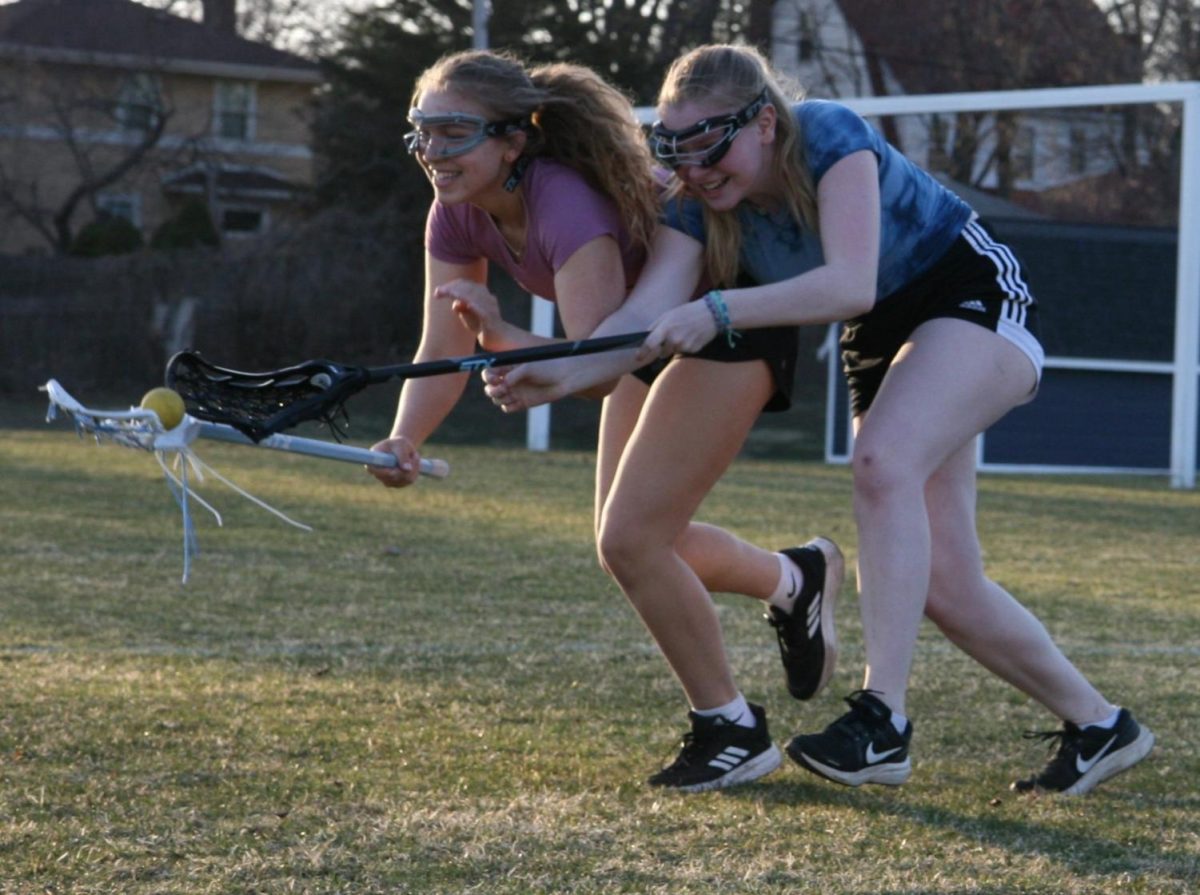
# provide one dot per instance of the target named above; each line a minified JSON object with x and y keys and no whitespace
{"x":482,"y":360}
{"x":262,"y":404}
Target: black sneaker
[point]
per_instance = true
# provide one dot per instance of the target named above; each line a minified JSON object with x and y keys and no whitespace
{"x":717,"y":753}
{"x":1088,"y":756}
{"x":807,"y":640}
{"x":860,"y":747}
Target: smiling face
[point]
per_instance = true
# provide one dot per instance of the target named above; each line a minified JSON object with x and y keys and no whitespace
{"x":462,"y":163}
{"x":741,"y":172}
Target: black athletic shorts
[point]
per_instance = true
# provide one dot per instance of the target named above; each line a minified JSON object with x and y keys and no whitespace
{"x":777,"y":345}
{"x":978,"y":280}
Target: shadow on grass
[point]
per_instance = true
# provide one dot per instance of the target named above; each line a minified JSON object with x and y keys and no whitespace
{"x":1077,"y":852}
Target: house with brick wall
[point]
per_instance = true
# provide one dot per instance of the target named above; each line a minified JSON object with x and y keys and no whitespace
{"x":109,"y":107}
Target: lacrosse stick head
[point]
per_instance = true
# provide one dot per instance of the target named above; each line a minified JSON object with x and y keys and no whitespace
{"x":136,"y":427}
{"x":140,"y":427}
{"x":261,"y":404}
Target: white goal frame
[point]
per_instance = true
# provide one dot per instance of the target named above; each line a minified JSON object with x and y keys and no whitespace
{"x":1184,"y":368}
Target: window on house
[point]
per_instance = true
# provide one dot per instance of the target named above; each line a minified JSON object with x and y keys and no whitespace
{"x":138,"y":102}
{"x":939,"y":140}
{"x":120,"y":206}
{"x":806,"y":38}
{"x":1024,"y":153}
{"x":1077,"y":149}
{"x":243,"y":221}
{"x":234,"y":110}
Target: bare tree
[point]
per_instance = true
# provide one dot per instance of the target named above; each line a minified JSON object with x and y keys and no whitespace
{"x":978,"y":45}
{"x":103,"y":139}
{"x":1163,"y":36}
{"x":305,"y":27}
{"x":1161,"y":39}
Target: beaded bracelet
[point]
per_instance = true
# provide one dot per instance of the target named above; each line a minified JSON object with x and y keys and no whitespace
{"x":720,"y":313}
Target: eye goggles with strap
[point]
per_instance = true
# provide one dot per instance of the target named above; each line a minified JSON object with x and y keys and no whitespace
{"x":455,"y":134}
{"x":705,"y":142}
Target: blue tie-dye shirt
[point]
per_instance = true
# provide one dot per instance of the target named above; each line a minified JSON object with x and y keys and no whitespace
{"x":919,"y":221}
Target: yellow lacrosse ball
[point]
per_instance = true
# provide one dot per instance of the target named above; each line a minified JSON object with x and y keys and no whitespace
{"x":167,"y":404}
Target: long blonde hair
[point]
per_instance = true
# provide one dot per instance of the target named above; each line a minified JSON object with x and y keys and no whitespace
{"x":579,"y":119}
{"x":733,"y":76}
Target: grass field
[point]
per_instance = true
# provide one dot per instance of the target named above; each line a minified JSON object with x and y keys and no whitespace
{"x":438,"y":691}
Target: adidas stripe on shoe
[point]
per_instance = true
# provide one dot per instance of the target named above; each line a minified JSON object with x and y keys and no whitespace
{"x":807,"y":639}
{"x":1087,"y":756}
{"x":860,"y":747}
{"x":717,"y":753}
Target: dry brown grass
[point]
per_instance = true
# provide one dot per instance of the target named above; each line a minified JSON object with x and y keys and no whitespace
{"x":439,"y":692}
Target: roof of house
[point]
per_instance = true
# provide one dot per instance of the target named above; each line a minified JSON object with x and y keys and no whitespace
{"x":990,"y":206}
{"x":992,"y":44}
{"x":231,"y":181}
{"x":126,"y":34}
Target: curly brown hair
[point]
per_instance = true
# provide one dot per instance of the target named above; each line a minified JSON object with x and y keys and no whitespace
{"x":579,"y":119}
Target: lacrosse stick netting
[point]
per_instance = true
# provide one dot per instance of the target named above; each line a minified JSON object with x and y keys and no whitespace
{"x":141,"y":429}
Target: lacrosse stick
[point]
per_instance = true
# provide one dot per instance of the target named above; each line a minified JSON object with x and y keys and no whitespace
{"x":314,"y":447}
{"x":141,"y":428}
{"x":261,"y":404}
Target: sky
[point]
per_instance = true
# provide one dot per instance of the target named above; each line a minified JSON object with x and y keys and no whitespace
{"x":295,"y":20}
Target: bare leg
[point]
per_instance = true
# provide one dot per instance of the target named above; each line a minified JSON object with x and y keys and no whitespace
{"x":723,"y":562}
{"x":914,"y":501}
{"x":981,"y":618}
{"x":694,"y":423}
{"x":951,"y":381}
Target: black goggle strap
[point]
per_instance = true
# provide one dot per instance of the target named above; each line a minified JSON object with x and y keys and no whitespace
{"x":511,"y":126}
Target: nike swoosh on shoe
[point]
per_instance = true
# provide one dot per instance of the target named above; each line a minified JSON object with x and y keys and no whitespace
{"x":874,"y":757}
{"x":1083,"y":766}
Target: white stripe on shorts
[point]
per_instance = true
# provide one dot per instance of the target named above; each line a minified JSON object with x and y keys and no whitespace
{"x":1008,"y":274}
{"x":1008,"y":277}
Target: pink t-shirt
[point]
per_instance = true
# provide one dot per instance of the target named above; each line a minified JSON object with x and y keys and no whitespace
{"x":564,"y":213}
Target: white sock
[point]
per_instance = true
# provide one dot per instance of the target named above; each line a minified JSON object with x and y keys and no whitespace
{"x":899,"y":722}
{"x":791,"y":579}
{"x":736,"y":712}
{"x":1108,"y":723}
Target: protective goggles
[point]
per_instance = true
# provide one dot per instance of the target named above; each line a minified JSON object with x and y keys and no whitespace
{"x":455,"y":134}
{"x":705,"y":142}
